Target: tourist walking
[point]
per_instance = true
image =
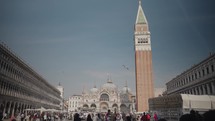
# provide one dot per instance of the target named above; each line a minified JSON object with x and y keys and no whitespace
{"x":22,"y":116}
{"x":155,"y":117}
{"x":76,"y":117}
{"x":108,"y":116}
{"x":144,"y":117}
{"x":118,"y":117}
{"x":128,"y":117}
{"x":99,"y":118}
{"x":148,"y":117}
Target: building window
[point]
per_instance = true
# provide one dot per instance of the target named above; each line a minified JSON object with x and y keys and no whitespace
{"x":104,"y":97}
{"x":207,"y":69}
{"x":198,"y":91}
{"x":203,"y":72}
{"x":199,"y":74}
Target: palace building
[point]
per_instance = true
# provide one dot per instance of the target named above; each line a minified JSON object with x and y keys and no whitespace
{"x":197,"y":80}
{"x":22,"y":88}
{"x":192,"y":89}
{"x":143,"y":62}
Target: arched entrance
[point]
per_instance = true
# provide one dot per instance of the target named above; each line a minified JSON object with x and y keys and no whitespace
{"x":115,"y":107}
{"x":123,"y":108}
{"x":103,"y":107}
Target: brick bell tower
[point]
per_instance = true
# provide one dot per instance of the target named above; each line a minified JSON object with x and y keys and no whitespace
{"x":143,"y":62}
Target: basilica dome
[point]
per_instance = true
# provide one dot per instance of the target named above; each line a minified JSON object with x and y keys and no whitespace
{"x":94,"y":90}
{"x":109,"y":85}
{"x":126,"y":89}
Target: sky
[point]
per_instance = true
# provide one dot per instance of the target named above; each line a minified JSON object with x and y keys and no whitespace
{"x":80,"y":42}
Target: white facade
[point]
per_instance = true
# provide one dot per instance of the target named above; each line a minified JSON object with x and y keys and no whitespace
{"x":104,"y":98}
{"x":74,"y":103}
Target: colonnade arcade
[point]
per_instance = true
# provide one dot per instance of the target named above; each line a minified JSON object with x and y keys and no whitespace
{"x":14,"y":107}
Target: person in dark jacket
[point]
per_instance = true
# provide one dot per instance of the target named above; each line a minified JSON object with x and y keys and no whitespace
{"x":1,"y":115}
{"x":89,"y":118}
{"x":76,"y":117}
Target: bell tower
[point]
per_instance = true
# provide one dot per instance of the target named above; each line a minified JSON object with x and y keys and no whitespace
{"x":143,"y":61}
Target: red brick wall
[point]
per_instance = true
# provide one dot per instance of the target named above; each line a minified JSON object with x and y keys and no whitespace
{"x":144,"y":79}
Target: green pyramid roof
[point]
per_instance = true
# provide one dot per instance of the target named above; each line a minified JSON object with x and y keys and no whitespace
{"x":141,"y":19}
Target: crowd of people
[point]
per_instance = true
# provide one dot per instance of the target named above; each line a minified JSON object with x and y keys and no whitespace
{"x":34,"y":116}
{"x":109,"y":116}
{"x":112,"y":116}
{"x":195,"y":116}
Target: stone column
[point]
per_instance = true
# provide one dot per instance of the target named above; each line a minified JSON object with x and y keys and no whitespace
{"x":8,"y":111}
{"x":203,"y":87}
{"x":13,"y":108}
{"x":22,"y":107}
{"x":196,"y":91}
{"x":19,"y":107}
{"x":190,"y":91}
{"x":193,"y":91}
{"x":200,"y":91}
{"x":7,"y":89}
{"x":208,"y":89}
{"x":5,"y":104}
{"x":213,"y":88}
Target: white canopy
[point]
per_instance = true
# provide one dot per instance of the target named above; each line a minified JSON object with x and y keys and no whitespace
{"x":42,"y":109}
{"x":198,"y":101}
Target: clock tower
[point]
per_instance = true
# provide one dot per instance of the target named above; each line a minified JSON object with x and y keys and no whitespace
{"x":143,"y":62}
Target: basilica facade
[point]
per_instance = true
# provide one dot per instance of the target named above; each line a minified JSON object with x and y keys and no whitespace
{"x":108,"y":96}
